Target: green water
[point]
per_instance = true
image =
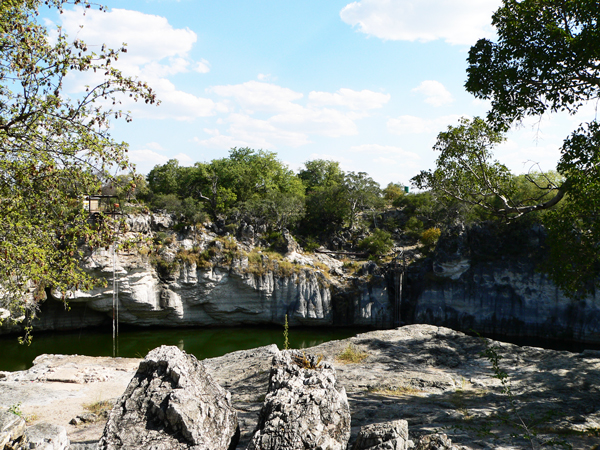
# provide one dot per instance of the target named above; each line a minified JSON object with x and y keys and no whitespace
{"x":135,"y":343}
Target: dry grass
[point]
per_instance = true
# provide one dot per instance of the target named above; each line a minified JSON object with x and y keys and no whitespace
{"x":396,"y":391}
{"x":99,"y":408}
{"x":351,"y":355}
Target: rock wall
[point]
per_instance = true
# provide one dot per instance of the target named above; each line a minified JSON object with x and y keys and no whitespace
{"x":317,"y":293}
{"x":485,"y":278}
{"x":482,"y":278}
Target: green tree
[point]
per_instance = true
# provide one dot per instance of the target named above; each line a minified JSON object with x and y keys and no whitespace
{"x":321,"y":174}
{"x":465,"y":169}
{"x":545,"y":59}
{"x":392,"y":192}
{"x":326,"y":211}
{"x":211,"y":183}
{"x":361,"y":193}
{"x":378,"y":243}
{"x":165,"y":179}
{"x":53,"y":149}
{"x":245,"y":175}
{"x":277,"y":210}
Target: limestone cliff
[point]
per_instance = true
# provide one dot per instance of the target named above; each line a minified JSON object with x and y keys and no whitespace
{"x":197,"y":277}
{"x":485,"y":278}
{"x":481,"y":278}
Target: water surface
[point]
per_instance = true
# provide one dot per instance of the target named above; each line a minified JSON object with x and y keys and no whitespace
{"x":136,"y":343}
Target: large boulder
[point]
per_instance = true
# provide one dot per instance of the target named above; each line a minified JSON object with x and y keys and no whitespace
{"x":11,"y":428}
{"x":171,"y":403}
{"x":383,"y":436}
{"x":436,"y":441}
{"x":303,"y":408}
{"x":46,"y":436}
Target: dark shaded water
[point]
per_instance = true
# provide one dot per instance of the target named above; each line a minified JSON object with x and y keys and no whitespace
{"x":135,"y":343}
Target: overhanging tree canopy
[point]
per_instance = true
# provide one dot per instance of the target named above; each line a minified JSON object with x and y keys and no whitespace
{"x":546,"y":58}
{"x":53,"y":147}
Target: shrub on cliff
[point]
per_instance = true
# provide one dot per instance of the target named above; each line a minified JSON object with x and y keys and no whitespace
{"x":430,"y":237}
{"x":379,"y":243}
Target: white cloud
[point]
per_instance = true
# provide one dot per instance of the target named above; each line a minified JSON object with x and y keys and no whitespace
{"x":221,"y":141}
{"x":184,"y":160}
{"x":244,"y":131}
{"x":202,"y":66}
{"x":377,"y":149}
{"x":456,"y":22}
{"x":282,"y":120}
{"x":149,"y":38}
{"x":152,"y":155}
{"x":154,"y":146}
{"x":325,"y":122}
{"x":266,"y":77}
{"x":344,"y":162}
{"x":386,"y":161}
{"x":416,"y":125}
{"x":435,"y":93}
{"x":256,"y":96}
{"x":155,"y":51}
{"x":355,"y":100}
{"x":147,"y":156}
{"x":175,"y":104}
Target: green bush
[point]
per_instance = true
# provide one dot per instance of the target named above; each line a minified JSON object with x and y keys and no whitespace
{"x":276,"y":242}
{"x":414,"y":227}
{"x":430,"y":237}
{"x":310,"y":245}
{"x":193,"y":211}
{"x":379,"y":243}
{"x":167,"y":202}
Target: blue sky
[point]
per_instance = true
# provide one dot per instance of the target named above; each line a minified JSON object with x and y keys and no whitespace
{"x":368,"y":83}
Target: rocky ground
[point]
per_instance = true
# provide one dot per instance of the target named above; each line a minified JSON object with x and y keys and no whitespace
{"x":433,"y":377}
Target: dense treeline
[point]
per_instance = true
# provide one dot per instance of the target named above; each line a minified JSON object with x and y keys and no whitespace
{"x":318,"y":204}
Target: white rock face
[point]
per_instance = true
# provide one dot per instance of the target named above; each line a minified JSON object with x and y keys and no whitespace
{"x":489,"y":284}
{"x":225,"y":294}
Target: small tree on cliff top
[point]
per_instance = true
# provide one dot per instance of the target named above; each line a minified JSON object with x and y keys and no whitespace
{"x":52,"y":147}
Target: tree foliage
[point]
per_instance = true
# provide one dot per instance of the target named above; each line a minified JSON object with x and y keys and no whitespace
{"x":378,"y":243}
{"x":247,"y":179}
{"x":466,"y":171}
{"x":545,"y":59}
{"x":54,"y":149}
{"x":321,"y":174}
{"x":361,"y":192}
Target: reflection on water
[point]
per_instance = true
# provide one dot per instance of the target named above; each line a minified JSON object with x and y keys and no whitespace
{"x":136,"y":343}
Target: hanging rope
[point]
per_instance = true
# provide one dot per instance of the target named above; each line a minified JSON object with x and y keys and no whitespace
{"x":116,"y":303}
{"x":114,"y":299}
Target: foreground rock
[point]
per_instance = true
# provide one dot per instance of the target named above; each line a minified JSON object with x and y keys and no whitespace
{"x":15,"y":435}
{"x":12,"y":428}
{"x":383,"y":436}
{"x":435,"y":442}
{"x":303,"y":409}
{"x":171,"y":403}
{"x":46,"y":436}
{"x":432,"y":377}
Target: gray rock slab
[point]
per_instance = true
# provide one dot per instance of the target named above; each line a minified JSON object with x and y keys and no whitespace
{"x":303,"y":408}
{"x":11,"y":427}
{"x":171,"y":403}
{"x":383,"y":436}
{"x":434,"y":378}
{"x":430,"y":376}
{"x":47,"y":436}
